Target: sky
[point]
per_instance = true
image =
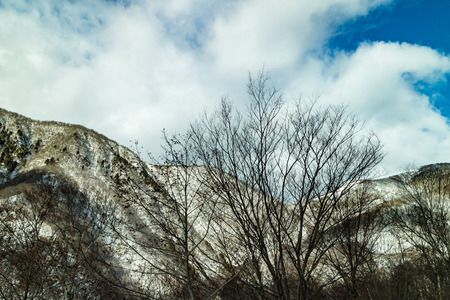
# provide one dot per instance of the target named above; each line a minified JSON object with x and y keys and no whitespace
{"x":130,"y":68}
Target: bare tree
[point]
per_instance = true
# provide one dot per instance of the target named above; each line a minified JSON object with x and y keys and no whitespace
{"x":176,"y":213}
{"x":359,"y":223}
{"x":423,"y":222}
{"x":281,"y":175}
{"x":49,"y":238}
{"x":23,"y":272}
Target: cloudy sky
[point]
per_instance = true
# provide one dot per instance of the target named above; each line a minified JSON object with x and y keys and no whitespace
{"x":129,"y":68}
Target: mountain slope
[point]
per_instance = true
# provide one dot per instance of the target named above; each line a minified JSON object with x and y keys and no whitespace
{"x":76,"y":167}
{"x":79,"y":153}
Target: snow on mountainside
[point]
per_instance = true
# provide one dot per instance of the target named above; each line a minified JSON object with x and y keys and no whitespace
{"x":82,"y":155}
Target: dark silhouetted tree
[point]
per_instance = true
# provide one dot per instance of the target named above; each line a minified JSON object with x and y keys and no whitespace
{"x":280,"y":172}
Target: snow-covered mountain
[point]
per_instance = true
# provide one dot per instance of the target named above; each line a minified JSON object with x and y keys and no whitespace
{"x":89,"y":219}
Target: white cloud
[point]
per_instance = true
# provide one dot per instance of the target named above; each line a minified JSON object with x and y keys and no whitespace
{"x":377,"y":82}
{"x":277,"y":34}
{"x":130,"y":70}
{"x":125,"y":66}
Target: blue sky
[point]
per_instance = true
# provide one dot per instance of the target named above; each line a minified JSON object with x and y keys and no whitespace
{"x":129,"y":68}
{"x":422,"y":22}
